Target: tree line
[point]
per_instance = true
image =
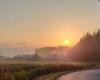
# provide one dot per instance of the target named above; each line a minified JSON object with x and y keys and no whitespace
{"x":88,"y":48}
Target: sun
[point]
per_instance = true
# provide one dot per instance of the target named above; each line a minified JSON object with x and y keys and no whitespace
{"x":67,"y":42}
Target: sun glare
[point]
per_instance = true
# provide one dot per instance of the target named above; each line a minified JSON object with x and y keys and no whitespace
{"x":67,"y":42}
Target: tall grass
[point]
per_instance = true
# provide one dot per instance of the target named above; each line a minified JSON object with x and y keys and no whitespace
{"x":32,"y":71}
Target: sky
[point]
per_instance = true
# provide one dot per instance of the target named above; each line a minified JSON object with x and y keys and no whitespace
{"x":29,"y":24}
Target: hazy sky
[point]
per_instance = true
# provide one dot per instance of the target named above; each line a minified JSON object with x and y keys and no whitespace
{"x":36,"y":23}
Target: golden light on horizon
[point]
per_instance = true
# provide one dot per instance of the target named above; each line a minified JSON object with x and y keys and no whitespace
{"x":68,"y":42}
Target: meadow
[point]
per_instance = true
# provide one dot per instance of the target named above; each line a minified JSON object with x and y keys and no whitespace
{"x":24,"y":70}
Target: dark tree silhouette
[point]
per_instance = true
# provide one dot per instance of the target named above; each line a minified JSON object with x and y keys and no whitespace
{"x":88,"y":48}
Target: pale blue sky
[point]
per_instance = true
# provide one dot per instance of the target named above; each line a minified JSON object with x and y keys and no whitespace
{"x":47,"y":22}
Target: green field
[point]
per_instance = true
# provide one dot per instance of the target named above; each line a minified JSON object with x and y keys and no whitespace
{"x":25,"y":70}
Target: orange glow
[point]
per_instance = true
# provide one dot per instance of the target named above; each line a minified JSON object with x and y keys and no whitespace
{"x":68,"y":43}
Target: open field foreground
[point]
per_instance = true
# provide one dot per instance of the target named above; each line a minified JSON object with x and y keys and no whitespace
{"x":38,"y":70}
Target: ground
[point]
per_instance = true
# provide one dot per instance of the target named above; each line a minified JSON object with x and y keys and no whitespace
{"x":29,"y":70}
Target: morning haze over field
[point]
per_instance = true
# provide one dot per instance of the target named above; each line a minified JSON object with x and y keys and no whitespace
{"x":29,"y":24}
{"x":49,"y":39}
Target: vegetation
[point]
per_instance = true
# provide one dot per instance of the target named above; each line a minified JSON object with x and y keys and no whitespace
{"x":36,"y":71}
{"x":88,"y":49}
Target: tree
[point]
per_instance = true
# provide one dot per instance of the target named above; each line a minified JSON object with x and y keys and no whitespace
{"x":88,"y":49}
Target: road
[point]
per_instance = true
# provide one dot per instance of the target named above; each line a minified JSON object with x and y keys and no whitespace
{"x":82,"y":75}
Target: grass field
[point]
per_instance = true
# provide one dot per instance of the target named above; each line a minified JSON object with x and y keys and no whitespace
{"x":25,"y":70}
